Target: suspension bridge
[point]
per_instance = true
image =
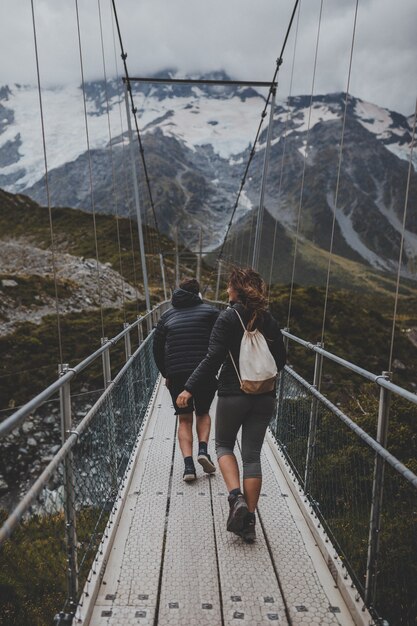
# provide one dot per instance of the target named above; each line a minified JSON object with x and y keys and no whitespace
{"x":121,"y":539}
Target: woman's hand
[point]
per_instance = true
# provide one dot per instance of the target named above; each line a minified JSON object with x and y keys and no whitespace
{"x":183,"y":399}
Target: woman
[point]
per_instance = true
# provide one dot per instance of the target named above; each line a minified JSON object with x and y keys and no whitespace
{"x":236,"y":409}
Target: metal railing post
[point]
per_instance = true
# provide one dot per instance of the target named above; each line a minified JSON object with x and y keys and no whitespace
{"x":128,"y":345}
{"x":140,"y":329}
{"x":199,"y":256}
{"x":149,"y":321}
{"x":177,"y":258}
{"x":110,"y":414}
{"x":69,"y":494}
{"x":312,"y":429}
{"x":164,"y":285}
{"x":377,"y":496}
{"x":219,"y":270}
{"x":286,"y":339}
{"x":279,"y":395}
{"x":106,"y":363}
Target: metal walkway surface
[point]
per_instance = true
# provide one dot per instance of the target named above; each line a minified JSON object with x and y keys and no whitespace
{"x":173,"y":562}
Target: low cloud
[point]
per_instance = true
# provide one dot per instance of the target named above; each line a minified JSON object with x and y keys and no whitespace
{"x":241,"y":37}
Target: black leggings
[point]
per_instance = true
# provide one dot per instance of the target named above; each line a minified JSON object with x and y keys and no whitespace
{"x":251,"y":412}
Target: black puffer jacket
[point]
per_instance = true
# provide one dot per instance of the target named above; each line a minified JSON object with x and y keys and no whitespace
{"x":182,"y":334}
{"x":226,"y":335}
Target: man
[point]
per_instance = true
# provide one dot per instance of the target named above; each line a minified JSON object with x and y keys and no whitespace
{"x":180,"y":343}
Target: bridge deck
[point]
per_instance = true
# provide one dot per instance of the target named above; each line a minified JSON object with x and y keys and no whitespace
{"x":173,"y":562}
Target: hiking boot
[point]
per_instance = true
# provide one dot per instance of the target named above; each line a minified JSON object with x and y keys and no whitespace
{"x":248,"y":532}
{"x":206,"y":463}
{"x":189,"y":474}
{"x":237,"y":514}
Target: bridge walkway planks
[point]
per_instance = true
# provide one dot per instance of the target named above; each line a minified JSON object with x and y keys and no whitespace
{"x":172,"y":561}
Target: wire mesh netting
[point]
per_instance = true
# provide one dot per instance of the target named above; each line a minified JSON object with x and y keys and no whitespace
{"x":396,"y":571}
{"x":335,"y":466}
{"x":46,"y":561}
{"x":290,"y":424}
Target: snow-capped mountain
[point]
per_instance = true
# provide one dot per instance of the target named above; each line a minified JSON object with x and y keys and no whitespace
{"x":196,"y":141}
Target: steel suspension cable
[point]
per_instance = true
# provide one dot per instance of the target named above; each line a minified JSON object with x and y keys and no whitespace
{"x":284,"y":150}
{"x":48,"y":195}
{"x":300,"y":204}
{"x":126,"y":184}
{"x":90,"y":170}
{"x":134,"y":111}
{"x":112,"y":161}
{"x":397,"y":288}
{"x":339,"y":167}
{"x":263,"y":115}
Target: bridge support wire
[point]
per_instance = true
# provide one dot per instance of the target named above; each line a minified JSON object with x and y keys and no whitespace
{"x":259,"y":220}
{"x":137,"y":203}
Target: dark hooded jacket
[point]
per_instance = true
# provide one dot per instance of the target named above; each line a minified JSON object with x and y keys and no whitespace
{"x":182,"y":334}
{"x":226,"y":335}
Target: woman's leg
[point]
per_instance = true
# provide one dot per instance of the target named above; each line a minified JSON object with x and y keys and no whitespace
{"x":253,"y":434}
{"x":252,"y":489}
{"x":230,"y":412}
{"x":230,"y":471}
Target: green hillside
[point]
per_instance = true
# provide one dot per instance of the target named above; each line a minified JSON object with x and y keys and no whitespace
{"x":311,"y":262}
{"x":30,"y":354}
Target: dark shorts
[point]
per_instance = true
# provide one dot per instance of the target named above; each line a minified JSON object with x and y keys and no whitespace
{"x":201,"y":400}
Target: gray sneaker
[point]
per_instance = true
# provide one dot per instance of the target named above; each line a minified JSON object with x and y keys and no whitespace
{"x":237,"y":514}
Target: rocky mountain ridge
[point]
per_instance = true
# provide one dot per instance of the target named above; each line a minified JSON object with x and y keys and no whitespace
{"x":196,"y":142}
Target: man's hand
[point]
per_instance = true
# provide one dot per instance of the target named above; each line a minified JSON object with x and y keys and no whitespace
{"x":183,"y":398}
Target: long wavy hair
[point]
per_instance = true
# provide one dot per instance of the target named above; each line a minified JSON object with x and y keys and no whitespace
{"x":251,"y":290}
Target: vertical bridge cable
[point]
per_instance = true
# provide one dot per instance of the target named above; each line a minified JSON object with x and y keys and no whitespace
{"x":338,"y":174}
{"x":304,"y":163}
{"x":112,"y":161}
{"x":283,"y":152}
{"x":397,"y":288}
{"x":90,"y":170}
{"x":130,"y":218}
{"x":263,"y":115}
{"x":141,"y":150}
{"x":51,"y":228}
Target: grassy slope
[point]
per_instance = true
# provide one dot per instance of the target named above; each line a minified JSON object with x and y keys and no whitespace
{"x":358,"y":323}
{"x":20,"y":217}
{"x":311,"y":263}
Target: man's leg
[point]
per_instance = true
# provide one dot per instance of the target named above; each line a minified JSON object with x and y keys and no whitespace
{"x":203,"y":432}
{"x":203,"y":427}
{"x":202,"y":403}
{"x":185,"y":438}
{"x":185,"y":434}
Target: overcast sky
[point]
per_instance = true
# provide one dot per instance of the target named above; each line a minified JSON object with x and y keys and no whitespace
{"x":242,"y":37}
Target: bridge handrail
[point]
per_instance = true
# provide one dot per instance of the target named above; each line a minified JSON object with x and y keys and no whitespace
{"x":17,"y":418}
{"x":372,"y":443}
{"x":375,"y":378}
{"x":23,"y":506}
